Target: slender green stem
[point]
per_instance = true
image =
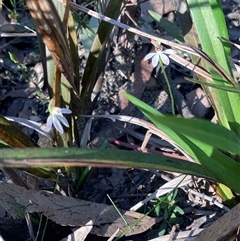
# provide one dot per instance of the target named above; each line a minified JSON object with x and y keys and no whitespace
{"x":124,"y":220}
{"x":44,"y":230}
{"x":39,"y":226}
{"x":168,"y":85}
{"x":147,"y":213}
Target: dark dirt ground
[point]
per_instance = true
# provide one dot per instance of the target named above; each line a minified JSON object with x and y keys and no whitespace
{"x":19,"y":97}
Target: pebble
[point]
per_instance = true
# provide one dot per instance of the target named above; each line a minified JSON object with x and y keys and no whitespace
{"x":15,"y":107}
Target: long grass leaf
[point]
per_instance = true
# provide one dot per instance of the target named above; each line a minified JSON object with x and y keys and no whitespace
{"x":96,"y":59}
{"x":226,"y":104}
{"x":98,"y":157}
{"x":200,"y":130}
{"x":199,"y":138}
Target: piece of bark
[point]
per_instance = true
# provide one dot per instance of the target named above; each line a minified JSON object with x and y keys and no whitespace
{"x":224,"y":228}
{"x":69,"y":211}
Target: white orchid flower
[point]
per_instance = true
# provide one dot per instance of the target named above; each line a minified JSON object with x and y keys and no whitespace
{"x":160,"y":55}
{"x":56,"y":118}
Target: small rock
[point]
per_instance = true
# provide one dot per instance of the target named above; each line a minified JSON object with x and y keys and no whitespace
{"x":3,"y":91}
{"x":26,"y":110}
{"x":15,"y":107}
{"x":38,"y":69}
{"x":198,"y":102}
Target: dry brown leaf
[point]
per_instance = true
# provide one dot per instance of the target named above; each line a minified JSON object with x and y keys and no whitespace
{"x":50,"y":28}
{"x":71,"y":211}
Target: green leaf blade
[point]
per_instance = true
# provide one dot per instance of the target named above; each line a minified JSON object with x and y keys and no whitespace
{"x":171,"y":28}
{"x":201,"y":130}
{"x":210,"y":24}
{"x":200,"y":139}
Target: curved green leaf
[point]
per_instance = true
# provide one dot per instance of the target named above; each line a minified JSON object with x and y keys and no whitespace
{"x":197,"y":129}
{"x":96,"y":59}
{"x":13,"y":136}
{"x":198,"y":138}
{"x":210,"y":24}
{"x":217,"y":86}
{"x":98,"y":157}
{"x":171,"y":28}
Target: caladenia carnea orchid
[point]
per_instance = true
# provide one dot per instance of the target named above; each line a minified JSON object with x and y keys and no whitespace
{"x":56,"y":117}
{"x":159,"y":55}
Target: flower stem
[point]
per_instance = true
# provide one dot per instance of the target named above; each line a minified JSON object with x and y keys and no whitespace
{"x":168,"y":85}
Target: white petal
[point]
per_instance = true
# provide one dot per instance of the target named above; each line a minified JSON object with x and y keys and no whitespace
{"x":49,"y":123}
{"x":65,"y":111}
{"x":164,"y":59}
{"x":169,"y":51}
{"x":155,"y":60}
{"x":63,"y":120}
{"x":149,"y":56}
{"x":57,"y":125}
